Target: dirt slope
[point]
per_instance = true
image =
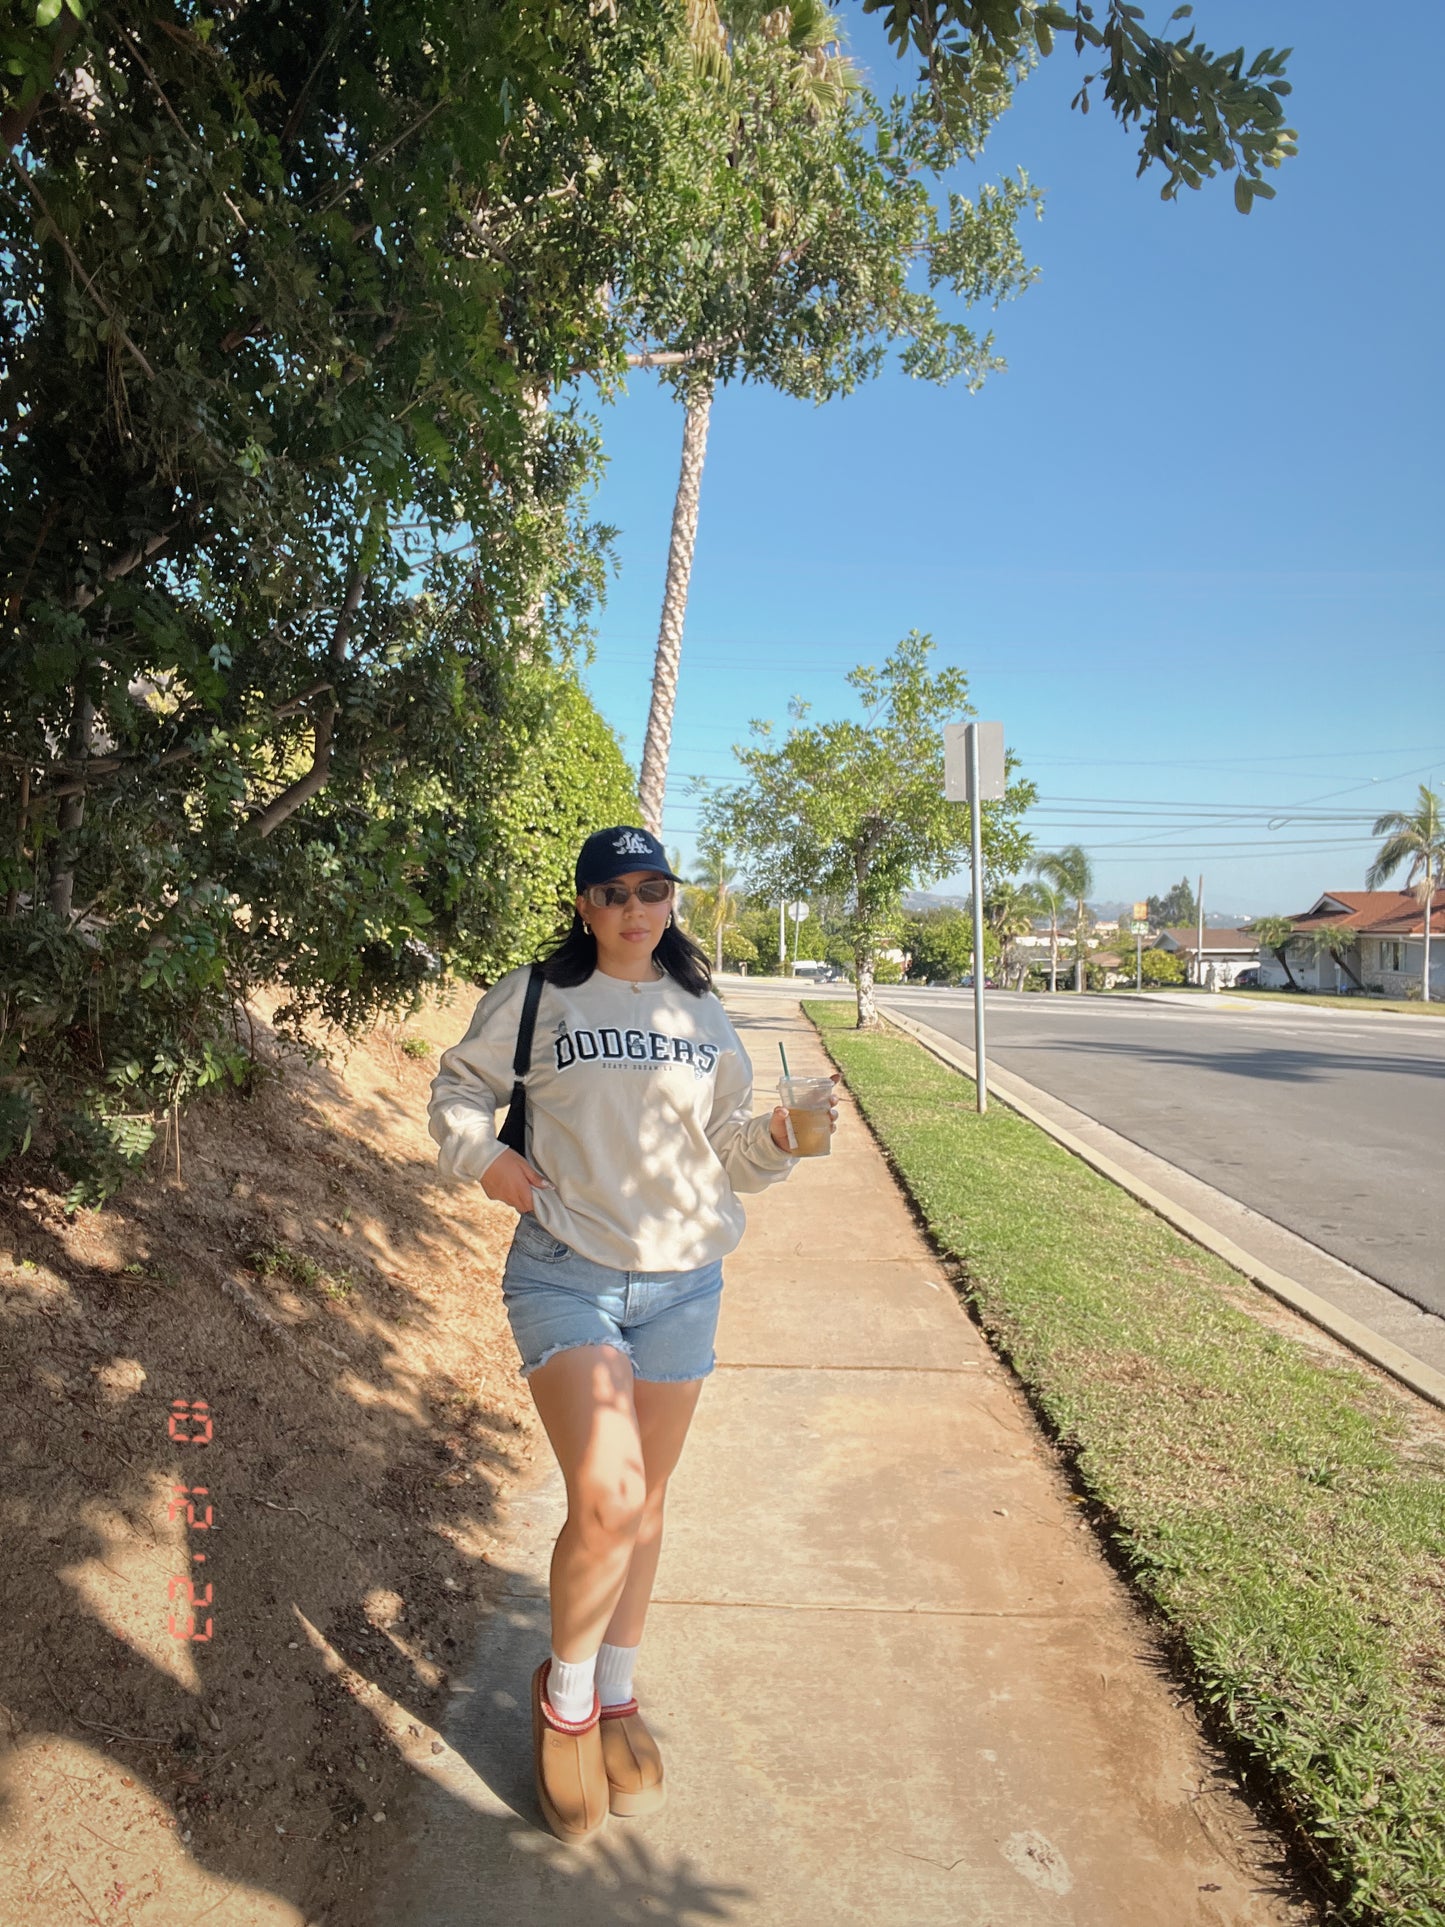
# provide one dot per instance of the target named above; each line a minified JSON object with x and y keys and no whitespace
{"x":364,"y":1412}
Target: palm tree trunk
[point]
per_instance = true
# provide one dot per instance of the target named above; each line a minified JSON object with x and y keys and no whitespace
{"x":1054,"y":956}
{"x":674,"y":606}
{"x":1079,"y":945}
{"x":1284,"y":965}
{"x":1345,"y":964}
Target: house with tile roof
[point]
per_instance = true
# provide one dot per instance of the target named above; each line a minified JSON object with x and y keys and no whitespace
{"x":1387,"y":954}
{"x":1226,"y":953}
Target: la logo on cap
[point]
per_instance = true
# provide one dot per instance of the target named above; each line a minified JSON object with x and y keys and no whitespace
{"x":631,"y":844}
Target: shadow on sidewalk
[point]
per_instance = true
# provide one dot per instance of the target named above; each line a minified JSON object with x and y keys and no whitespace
{"x":464,"y":1856}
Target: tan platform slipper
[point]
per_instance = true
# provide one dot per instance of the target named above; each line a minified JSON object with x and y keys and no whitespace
{"x":571,"y":1778}
{"x":633,"y":1763}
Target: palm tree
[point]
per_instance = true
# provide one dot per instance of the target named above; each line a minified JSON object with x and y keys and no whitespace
{"x":1010,"y":910}
{"x":1070,"y":873}
{"x":1275,"y":933}
{"x":806,"y":35}
{"x":1417,"y":839}
{"x":1051,"y":901}
{"x":1333,"y":940}
{"x":712,"y":891}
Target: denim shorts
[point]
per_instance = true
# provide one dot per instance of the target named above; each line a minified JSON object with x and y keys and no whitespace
{"x":664,"y":1321}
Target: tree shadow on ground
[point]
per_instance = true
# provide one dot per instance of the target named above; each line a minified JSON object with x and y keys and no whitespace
{"x":479,"y":1829}
{"x":363,"y":1413}
{"x":1259,"y":1063}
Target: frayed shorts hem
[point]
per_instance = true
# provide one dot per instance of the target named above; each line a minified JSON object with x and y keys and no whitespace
{"x":617,"y":1345}
{"x":576,"y":1345}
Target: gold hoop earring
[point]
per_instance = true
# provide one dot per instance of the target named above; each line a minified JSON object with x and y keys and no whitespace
{"x":588,"y":928}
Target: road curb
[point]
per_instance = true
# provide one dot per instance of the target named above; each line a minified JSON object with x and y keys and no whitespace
{"x":1422,"y":1379}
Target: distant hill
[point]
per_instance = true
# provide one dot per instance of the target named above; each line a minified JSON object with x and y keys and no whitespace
{"x":921,"y":900}
{"x":1213,"y":919}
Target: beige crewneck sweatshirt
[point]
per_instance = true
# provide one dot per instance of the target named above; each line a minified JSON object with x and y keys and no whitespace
{"x":639,"y":1111}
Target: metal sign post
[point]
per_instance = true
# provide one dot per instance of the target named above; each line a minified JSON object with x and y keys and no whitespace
{"x":975,"y":834}
{"x":973,"y":771}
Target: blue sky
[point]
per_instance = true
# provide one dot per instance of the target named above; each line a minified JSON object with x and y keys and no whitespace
{"x":1187,"y":547}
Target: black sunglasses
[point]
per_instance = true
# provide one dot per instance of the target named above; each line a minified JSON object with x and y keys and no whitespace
{"x":612,"y":896}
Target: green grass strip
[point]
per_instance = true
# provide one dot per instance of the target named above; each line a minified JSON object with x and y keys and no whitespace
{"x":1285,"y":1513}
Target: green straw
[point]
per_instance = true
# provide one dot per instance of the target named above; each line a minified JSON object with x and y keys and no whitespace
{"x":784,"y":1055}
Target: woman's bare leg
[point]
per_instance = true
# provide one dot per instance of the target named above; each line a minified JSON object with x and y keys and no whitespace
{"x":664,"y":1413}
{"x":585,"y":1400}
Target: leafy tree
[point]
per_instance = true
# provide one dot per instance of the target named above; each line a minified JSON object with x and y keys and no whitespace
{"x":738,"y":950}
{"x":857,"y":805}
{"x":939,"y":945}
{"x":1069,"y":872}
{"x":1197,"y":111}
{"x":287,"y":533}
{"x":812,"y":252}
{"x":758,"y":925}
{"x":494,"y":850}
{"x":1162,"y":967}
{"x":1176,"y":910}
{"x":1414,"y":842}
{"x":1276,"y":934}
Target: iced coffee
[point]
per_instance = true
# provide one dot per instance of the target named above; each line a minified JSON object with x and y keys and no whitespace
{"x":808,"y":1102}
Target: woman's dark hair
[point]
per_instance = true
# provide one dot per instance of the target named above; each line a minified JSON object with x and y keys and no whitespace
{"x":573,"y":960}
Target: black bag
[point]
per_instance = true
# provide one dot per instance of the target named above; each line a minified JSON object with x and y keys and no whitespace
{"x":514,"y":1125}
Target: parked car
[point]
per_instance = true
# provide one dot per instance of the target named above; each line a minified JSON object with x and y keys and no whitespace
{"x":966,"y":982}
{"x":1246,"y":980}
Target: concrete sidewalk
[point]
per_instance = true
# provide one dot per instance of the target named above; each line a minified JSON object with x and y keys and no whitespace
{"x":894,"y":1681}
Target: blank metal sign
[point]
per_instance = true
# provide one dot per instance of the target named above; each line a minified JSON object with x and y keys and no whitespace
{"x":991,"y":783}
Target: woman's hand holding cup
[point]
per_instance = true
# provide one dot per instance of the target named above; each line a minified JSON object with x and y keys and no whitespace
{"x":784,"y":1135}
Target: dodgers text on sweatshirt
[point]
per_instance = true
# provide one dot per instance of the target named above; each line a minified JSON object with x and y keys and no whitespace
{"x":639,"y":1111}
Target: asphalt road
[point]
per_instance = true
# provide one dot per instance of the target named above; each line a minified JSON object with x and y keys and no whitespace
{"x":1331,"y":1125}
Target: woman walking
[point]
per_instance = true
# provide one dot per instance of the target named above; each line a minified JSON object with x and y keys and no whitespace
{"x":639,"y":1137}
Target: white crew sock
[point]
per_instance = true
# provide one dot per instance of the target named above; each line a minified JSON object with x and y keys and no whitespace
{"x":570,"y":1687}
{"x":614,"y":1674}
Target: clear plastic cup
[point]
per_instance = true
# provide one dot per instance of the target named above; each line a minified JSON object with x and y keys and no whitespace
{"x":808,"y":1101}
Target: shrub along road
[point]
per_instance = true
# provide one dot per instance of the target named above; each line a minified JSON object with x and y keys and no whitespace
{"x":1283,"y":1509}
{"x":1328,"y":1125}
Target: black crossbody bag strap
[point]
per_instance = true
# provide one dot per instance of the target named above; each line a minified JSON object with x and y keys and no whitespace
{"x":514,"y":1125}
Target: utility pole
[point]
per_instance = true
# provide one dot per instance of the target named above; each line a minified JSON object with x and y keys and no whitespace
{"x":783,"y":938}
{"x":1199,"y":950}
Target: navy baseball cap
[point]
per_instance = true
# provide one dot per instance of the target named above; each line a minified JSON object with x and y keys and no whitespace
{"x":612,"y":853}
